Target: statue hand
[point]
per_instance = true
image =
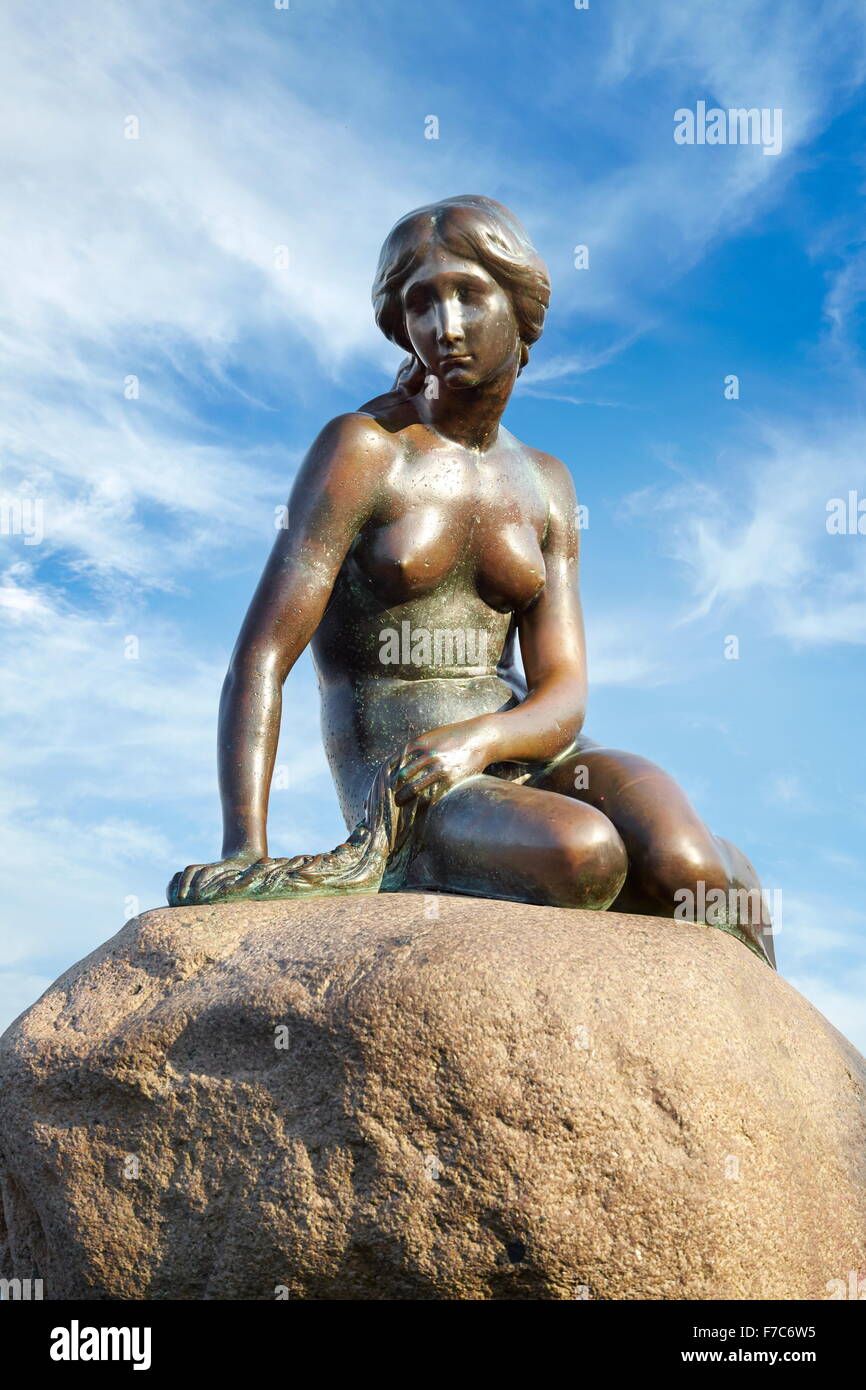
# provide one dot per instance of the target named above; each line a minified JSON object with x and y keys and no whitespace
{"x":201,"y":883}
{"x":436,"y":762}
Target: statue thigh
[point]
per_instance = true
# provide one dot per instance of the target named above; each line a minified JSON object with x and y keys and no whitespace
{"x":669,"y":847}
{"x":493,"y":838}
{"x":601,"y":829}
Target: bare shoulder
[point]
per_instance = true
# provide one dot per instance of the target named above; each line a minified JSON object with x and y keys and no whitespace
{"x":561,"y":532}
{"x":356,"y":430}
{"x":556,"y":476}
{"x":346,"y":448}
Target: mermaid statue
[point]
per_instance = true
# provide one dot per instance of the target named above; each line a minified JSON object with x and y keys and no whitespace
{"x":425,"y":547}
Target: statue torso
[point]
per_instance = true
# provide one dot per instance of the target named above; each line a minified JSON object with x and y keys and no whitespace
{"x":421,"y":612}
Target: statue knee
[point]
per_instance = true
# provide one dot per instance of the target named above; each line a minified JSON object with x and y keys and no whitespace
{"x":590,"y":861}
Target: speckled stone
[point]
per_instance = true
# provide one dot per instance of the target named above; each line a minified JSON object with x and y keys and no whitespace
{"x":409,"y":1097}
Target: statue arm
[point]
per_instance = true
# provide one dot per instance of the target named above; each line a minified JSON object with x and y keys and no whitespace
{"x":333,"y":495}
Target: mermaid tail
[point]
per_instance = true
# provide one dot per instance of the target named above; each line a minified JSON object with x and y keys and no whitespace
{"x":374,"y":859}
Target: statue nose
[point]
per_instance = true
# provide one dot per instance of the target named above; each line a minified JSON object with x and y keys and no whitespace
{"x":450,"y":328}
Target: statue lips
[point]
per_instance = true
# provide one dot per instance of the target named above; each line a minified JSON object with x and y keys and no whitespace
{"x":454,"y":361}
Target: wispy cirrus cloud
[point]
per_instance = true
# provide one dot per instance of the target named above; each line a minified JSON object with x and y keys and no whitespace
{"x":108,"y":781}
{"x":760,"y":537}
{"x":224,"y":257}
{"x":824,"y":945}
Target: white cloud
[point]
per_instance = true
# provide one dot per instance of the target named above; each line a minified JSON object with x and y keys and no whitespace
{"x":623,"y":649}
{"x":571,"y":364}
{"x":760,"y":536}
{"x":109,"y":782}
{"x":18,"y":990}
{"x":844,"y":297}
{"x":842,"y":1005}
{"x":173,"y":232}
{"x":822,"y":951}
{"x":155,"y":258}
{"x":653,"y":209}
{"x":139,"y":729}
{"x":785,"y":789}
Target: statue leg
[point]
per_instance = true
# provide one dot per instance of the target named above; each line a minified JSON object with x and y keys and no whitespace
{"x":668,"y":845}
{"x":493,"y":838}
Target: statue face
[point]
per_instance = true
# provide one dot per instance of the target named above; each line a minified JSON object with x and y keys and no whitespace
{"x":459,"y":320}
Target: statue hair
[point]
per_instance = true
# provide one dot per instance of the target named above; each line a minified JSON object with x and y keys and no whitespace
{"x":477,"y":229}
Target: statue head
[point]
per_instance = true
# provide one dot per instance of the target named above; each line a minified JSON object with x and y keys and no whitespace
{"x":459,"y":277}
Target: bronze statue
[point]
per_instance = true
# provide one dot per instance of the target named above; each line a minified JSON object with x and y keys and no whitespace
{"x":423,"y":541}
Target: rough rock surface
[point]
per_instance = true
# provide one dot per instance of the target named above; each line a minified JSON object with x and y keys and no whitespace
{"x":428,"y":1098}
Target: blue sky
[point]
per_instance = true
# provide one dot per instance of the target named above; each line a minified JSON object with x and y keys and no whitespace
{"x":304,"y":128}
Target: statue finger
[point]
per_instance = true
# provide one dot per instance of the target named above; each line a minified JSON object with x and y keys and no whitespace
{"x":409,"y":770}
{"x":423,"y":784}
{"x":251,"y":873}
{"x":412,"y":752}
{"x":186,"y":877}
{"x":418,"y":784}
{"x":218,"y":886}
{"x":201,"y":887}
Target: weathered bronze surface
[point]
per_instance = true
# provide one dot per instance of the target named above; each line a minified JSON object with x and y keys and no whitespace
{"x":423,"y":541}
